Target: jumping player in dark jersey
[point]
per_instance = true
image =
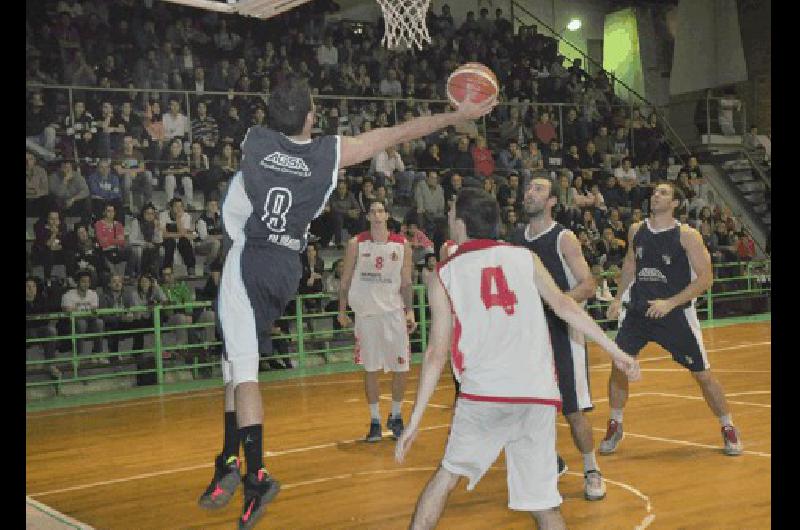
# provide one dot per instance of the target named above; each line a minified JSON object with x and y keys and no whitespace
{"x":286,"y":177}
{"x":667,"y":266}
{"x":560,"y":253}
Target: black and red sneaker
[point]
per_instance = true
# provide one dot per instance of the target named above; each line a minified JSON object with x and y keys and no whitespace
{"x":259,"y":490}
{"x":226,"y":479}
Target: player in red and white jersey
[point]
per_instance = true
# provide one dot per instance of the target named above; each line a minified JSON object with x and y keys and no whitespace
{"x":489,"y":301}
{"x":376,"y":281}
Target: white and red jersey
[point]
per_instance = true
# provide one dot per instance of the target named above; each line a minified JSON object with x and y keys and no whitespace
{"x":375,"y":288}
{"x":501,"y":348}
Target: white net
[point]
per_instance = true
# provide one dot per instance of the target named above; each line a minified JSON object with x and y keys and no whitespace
{"x":405,"y":23}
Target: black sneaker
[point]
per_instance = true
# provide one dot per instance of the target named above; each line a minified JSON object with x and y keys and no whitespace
{"x":259,"y":490}
{"x":395,"y":424}
{"x":562,"y":466}
{"x":374,"y":434}
{"x":226,"y":479}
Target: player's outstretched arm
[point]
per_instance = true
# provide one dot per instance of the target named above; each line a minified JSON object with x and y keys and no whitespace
{"x":356,"y":149}
{"x":628,"y":272}
{"x":569,"y":310}
{"x":348,"y":268}
{"x":432,"y":363}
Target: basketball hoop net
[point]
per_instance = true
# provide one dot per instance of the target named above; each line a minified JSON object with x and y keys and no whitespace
{"x":405,"y":23}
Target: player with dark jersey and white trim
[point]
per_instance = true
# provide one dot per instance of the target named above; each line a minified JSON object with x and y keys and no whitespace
{"x":283,"y":183}
{"x":666,"y":268}
{"x":560,"y":252}
{"x":489,"y":300}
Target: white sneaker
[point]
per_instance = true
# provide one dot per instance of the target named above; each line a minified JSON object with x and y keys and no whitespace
{"x":594,"y":488}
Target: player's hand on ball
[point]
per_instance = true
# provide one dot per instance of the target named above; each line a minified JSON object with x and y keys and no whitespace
{"x":612,"y":313}
{"x":659,"y":308}
{"x":473,"y":111}
{"x":630,"y":366}
{"x":404,"y":442}
{"x":411,"y":323}
{"x":344,"y":320}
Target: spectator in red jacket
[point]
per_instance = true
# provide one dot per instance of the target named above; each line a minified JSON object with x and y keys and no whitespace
{"x":110,"y":235}
{"x":482,"y":156}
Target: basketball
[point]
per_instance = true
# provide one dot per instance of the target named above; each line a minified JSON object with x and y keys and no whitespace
{"x":474,"y":78}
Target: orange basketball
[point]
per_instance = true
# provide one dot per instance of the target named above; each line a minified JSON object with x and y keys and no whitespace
{"x":474,"y":78}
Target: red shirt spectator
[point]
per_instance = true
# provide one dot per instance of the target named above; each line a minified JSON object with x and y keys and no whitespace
{"x":482,"y":156}
{"x":746,"y":247}
{"x":108,"y":232}
{"x":544,"y":130}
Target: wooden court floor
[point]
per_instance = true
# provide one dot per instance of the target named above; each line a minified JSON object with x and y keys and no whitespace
{"x":141,"y":464}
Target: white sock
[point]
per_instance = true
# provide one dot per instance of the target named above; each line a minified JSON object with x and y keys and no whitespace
{"x":374,"y":412}
{"x":589,"y":462}
{"x":616,"y":415}
{"x":396,"y":407}
{"x":726,"y":420}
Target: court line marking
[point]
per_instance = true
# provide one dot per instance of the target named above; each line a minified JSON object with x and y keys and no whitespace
{"x":663,"y":394}
{"x":211,"y":465}
{"x":81,"y":409}
{"x":648,"y":519}
{"x":712,"y":350}
{"x":683,"y":370}
{"x":52,"y":513}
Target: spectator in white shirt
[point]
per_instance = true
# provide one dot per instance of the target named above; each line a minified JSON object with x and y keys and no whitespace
{"x":176,"y":124}
{"x":328,"y":54}
{"x":386,"y":164}
{"x":83,"y":298}
{"x":391,"y":86}
{"x":626,"y":174}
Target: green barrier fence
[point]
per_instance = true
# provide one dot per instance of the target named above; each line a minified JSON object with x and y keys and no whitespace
{"x":308,"y":334}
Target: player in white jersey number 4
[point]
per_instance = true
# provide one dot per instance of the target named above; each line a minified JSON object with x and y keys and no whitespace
{"x":489,"y":295}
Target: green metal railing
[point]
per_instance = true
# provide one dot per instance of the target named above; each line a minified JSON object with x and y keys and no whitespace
{"x":733,"y":281}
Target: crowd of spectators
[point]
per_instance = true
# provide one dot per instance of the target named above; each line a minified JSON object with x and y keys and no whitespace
{"x":98,"y":155}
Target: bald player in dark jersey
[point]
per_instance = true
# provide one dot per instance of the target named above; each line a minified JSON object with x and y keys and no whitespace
{"x":560,"y":253}
{"x":286,"y":177}
{"x":667,"y":266}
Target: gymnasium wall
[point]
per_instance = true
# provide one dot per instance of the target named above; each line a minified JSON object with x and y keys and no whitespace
{"x":708,"y":46}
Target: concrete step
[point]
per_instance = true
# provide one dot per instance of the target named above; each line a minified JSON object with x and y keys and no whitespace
{"x":751,"y":186}
{"x":755,"y":198}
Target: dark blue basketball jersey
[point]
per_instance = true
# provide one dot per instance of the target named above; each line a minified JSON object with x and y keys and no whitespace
{"x":282,"y":185}
{"x":545,"y":246}
{"x":662,"y":266}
